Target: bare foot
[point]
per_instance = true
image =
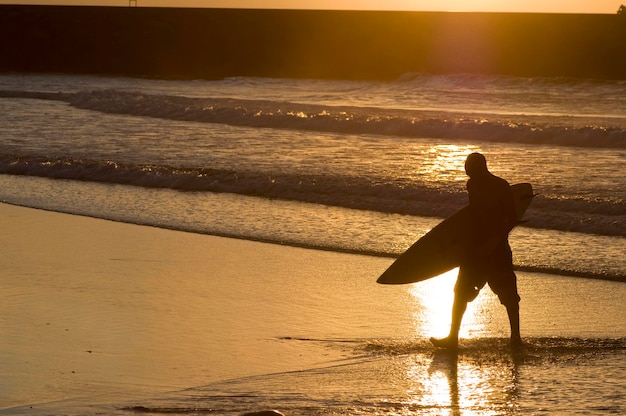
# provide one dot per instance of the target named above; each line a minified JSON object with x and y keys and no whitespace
{"x":516,"y":343}
{"x":445,"y":343}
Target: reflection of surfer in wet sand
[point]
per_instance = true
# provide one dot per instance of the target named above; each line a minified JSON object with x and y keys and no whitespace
{"x":492,"y":206}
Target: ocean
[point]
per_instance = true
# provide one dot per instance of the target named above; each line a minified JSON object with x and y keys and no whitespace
{"x":361,"y":168}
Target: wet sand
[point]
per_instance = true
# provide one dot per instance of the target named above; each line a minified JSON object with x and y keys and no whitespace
{"x":95,"y":311}
{"x":91,"y":307}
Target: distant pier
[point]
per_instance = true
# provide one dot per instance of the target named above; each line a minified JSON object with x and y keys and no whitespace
{"x":214,"y":43}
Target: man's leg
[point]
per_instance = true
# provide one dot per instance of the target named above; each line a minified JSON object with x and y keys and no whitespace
{"x":506,"y":289}
{"x":465,"y":291}
{"x":513,"y":312}
{"x":458,"y":310}
{"x":504,"y":283}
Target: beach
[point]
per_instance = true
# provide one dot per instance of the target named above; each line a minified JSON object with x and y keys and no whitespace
{"x":197,"y":227}
{"x":93,"y":306}
{"x":102,"y":316}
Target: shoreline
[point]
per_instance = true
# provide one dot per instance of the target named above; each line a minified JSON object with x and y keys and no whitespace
{"x":178,"y":43}
{"x":376,"y":255}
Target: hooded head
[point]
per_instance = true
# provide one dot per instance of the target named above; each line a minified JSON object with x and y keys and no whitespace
{"x":476,"y":165}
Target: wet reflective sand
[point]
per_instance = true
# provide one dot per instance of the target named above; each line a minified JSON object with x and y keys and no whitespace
{"x":108,"y":317}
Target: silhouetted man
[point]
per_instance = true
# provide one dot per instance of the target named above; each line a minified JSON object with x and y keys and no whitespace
{"x":489,"y":258}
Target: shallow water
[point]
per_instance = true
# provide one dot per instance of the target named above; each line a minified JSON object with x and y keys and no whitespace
{"x":304,"y":224}
{"x":488,"y":381}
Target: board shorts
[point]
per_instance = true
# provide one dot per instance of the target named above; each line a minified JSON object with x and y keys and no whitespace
{"x":495,"y":269}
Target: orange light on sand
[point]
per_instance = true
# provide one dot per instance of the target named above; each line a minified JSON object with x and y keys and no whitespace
{"x":433,"y":308}
{"x":433,"y":304}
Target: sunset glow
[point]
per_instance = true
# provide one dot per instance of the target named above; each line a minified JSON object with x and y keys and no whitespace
{"x":433,"y":304}
{"x":527,"y":6}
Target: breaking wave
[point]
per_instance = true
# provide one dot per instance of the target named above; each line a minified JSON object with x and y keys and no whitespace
{"x":585,"y":216}
{"x":335,"y":119}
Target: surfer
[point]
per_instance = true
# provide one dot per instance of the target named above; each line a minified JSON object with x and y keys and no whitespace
{"x":493,"y":211}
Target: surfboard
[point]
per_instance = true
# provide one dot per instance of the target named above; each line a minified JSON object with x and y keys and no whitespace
{"x":441,"y":248}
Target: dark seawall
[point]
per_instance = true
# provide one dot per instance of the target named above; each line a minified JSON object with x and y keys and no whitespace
{"x":215,"y":43}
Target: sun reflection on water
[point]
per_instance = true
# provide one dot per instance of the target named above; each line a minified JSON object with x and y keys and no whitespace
{"x":445,"y":162}
{"x":454,"y":384}
{"x":480,"y":378}
{"x":433,"y":304}
{"x":432,"y":308}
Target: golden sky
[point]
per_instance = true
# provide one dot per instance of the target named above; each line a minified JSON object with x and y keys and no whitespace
{"x":542,"y":6}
